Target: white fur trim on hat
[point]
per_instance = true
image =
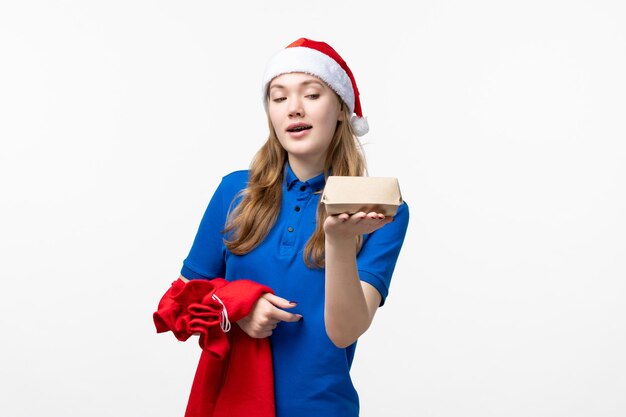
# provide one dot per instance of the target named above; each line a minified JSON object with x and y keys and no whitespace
{"x":359,"y":125}
{"x":310,"y":61}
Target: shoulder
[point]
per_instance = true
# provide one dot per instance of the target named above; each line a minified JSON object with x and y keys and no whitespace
{"x":403,"y":212}
{"x":237,"y":176}
{"x":401,"y":220}
{"x":231,"y":186}
{"x":236,"y":180}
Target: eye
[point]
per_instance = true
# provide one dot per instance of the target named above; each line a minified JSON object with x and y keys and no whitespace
{"x":313,"y":96}
{"x":279,"y":99}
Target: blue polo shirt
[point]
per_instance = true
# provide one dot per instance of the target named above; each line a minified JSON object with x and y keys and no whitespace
{"x":311,"y":374}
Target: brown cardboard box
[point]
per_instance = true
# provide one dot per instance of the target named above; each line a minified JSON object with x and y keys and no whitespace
{"x":354,"y":194}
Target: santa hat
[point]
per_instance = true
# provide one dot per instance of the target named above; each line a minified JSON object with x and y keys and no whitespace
{"x":322,"y":61}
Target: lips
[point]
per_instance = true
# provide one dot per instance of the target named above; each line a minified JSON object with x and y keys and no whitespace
{"x":298,"y":127}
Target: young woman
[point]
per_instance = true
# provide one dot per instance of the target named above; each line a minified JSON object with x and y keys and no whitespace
{"x":329,"y":273}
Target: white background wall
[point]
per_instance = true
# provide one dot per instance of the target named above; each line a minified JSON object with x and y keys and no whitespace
{"x":503,"y":120}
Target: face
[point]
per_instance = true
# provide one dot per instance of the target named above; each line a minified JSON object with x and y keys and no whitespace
{"x":304,"y":112}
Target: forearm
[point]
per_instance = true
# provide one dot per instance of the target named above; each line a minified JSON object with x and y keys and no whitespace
{"x":346,"y":313}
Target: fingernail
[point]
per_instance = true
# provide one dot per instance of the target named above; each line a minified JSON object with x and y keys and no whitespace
{"x":293,"y":302}
{"x":300,"y":315}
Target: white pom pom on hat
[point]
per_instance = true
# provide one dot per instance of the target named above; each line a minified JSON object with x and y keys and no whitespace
{"x":321,"y":60}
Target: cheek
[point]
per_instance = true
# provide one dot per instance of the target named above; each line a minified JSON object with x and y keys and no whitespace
{"x":274,"y":115}
{"x":331,"y":119}
{"x":326,"y":114}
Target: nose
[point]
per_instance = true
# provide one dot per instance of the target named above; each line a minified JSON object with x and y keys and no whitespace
{"x":295,"y":108}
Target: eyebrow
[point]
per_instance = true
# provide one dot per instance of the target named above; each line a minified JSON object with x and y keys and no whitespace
{"x":303,"y":83}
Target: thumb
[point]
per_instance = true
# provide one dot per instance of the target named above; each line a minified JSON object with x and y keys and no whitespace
{"x":279,"y":301}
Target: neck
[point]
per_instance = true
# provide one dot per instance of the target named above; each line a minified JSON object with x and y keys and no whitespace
{"x":306,"y":169}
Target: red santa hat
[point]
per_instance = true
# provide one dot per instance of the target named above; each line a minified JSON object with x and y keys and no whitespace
{"x":321,"y":60}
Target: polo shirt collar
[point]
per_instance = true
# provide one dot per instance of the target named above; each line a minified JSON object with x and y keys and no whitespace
{"x":316,"y":183}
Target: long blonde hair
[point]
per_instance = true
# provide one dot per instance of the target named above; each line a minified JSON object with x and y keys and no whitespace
{"x":250,"y":222}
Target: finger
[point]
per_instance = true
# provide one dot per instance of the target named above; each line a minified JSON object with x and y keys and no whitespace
{"x":377,"y":222}
{"x":286,"y":316}
{"x":267,"y":321}
{"x":267,"y":328}
{"x":357,"y":217}
{"x":279,"y":301}
{"x":376,"y":216}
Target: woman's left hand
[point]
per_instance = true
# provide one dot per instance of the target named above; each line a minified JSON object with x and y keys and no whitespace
{"x":350,"y":226}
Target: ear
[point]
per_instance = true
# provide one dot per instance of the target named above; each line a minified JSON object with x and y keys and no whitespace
{"x":340,"y":115}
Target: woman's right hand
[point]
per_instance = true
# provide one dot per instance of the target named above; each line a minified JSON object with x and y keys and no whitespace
{"x":266,"y":314}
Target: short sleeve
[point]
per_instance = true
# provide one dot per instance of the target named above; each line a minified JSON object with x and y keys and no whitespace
{"x":206,"y":258}
{"x":377,"y":258}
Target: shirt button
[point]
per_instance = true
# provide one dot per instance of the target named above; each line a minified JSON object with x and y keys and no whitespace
{"x":302,"y":187}
{"x":290,"y":229}
{"x":297,"y":208}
